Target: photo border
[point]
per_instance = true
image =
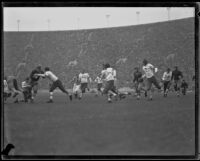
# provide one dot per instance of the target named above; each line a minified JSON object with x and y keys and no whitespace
{"x":112,"y":4}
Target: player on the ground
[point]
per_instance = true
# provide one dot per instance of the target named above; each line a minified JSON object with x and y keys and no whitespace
{"x":138,"y":82}
{"x":77,"y":87}
{"x":167,"y":81}
{"x":184,"y":87}
{"x":109,"y":75}
{"x":26,"y":87}
{"x":34,"y":81}
{"x":55,"y":83}
{"x":84,"y":78}
{"x":149,"y":71}
{"x":176,"y":78}
{"x":99,"y":82}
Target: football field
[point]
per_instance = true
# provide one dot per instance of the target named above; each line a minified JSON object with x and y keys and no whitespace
{"x":91,"y":126}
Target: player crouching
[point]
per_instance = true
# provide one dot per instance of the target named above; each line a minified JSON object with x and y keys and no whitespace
{"x":55,"y":83}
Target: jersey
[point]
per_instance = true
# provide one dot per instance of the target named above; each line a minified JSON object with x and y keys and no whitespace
{"x":109,"y":74}
{"x":84,"y":77}
{"x":35,"y":78}
{"x":52,"y":77}
{"x":167,"y":76}
{"x":148,"y":69}
{"x":98,"y":80}
{"x":137,"y":77}
{"x":176,"y":74}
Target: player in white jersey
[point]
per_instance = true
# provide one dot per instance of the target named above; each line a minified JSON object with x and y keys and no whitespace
{"x":149,"y":71}
{"x":55,"y":83}
{"x":166,"y":81}
{"x":76,"y":87}
{"x":109,"y":74}
{"x":99,"y":82}
{"x":84,"y":79}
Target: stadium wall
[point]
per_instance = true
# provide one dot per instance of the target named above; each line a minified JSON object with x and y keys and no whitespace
{"x":164,"y":44}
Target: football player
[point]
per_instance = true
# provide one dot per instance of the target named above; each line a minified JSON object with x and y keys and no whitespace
{"x":55,"y":83}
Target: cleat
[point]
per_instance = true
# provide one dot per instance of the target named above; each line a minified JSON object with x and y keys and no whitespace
{"x":50,"y":101}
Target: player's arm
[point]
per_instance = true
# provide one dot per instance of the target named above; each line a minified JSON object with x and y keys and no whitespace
{"x":163,"y":77}
{"x":41,"y":75}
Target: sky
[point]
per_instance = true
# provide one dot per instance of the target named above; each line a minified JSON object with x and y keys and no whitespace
{"x":75,"y":18}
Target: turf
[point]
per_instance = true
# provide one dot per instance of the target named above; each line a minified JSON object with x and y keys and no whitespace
{"x":91,"y":126}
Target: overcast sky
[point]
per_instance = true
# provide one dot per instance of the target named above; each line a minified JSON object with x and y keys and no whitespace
{"x":73,"y":18}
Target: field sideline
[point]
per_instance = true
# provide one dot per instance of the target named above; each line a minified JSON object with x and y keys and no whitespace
{"x":91,"y":126}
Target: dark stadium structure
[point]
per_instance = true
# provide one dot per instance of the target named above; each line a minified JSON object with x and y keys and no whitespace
{"x":164,"y":44}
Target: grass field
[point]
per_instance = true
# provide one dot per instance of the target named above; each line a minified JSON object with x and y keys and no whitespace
{"x":91,"y":126}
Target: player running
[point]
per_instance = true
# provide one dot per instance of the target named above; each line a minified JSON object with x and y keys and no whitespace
{"x":176,"y":78}
{"x":34,"y":81}
{"x":149,"y":71}
{"x":55,"y":83}
{"x":84,"y":79}
{"x":109,"y":75}
{"x":167,"y":81}
{"x":138,"y":82}
{"x":99,"y":82}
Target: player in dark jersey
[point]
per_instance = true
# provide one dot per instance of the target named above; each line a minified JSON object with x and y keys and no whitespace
{"x":184,"y":87}
{"x":34,"y":80}
{"x":138,"y":82}
{"x":176,"y":78}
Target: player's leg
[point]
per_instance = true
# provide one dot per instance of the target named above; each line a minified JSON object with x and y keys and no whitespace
{"x":34,"y":90}
{"x":62,"y":88}
{"x":15,"y":84}
{"x":175,"y":86}
{"x":54,"y":85}
{"x":79,"y":92}
{"x":139,"y":90}
{"x":83,"y":86}
{"x":178,"y":87}
{"x":106,"y":89}
{"x":111,"y":90}
{"x":148,"y":88}
{"x":155,"y":82}
{"x":165,"y":87}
